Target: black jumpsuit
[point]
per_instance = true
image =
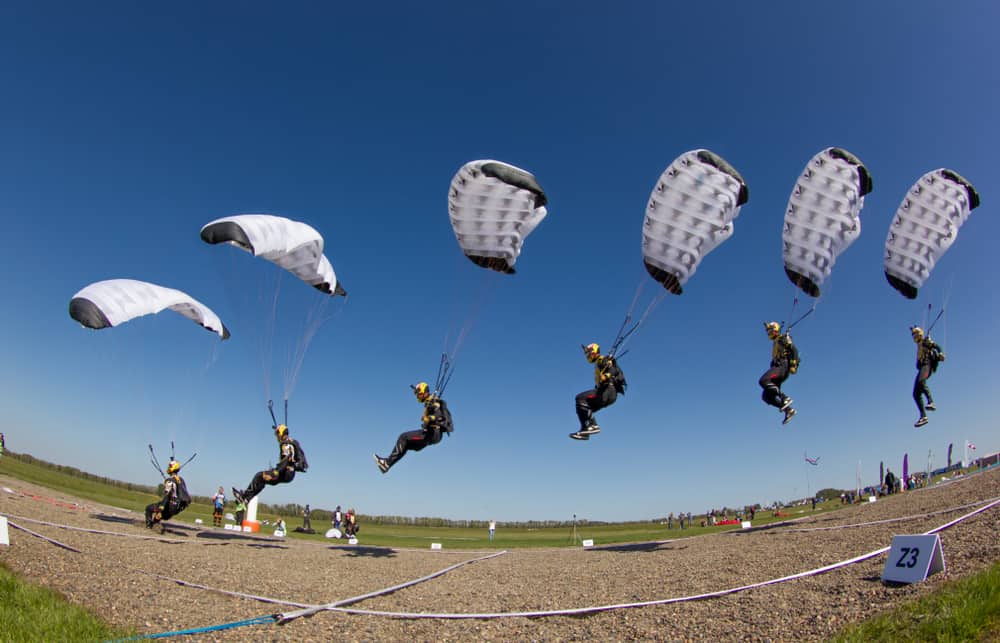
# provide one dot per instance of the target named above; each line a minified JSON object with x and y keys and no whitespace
{"x":283,"y":472}
{"x":435,"y":421}
{"x":603,"y":395}
{"x":175,"y":499}
{"x":926,"y":365}
{"x":784,"y":356}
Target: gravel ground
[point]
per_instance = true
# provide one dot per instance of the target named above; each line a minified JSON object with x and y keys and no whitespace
{"x":113,"y":575}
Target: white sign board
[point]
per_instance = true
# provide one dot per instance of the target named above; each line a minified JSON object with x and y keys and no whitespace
{"x":913,"y":558}
{"x":588,"y":543}
{"x":227,"y":526}
{"x":352,"y":541}
{"x":279,"y":533}
{"x":872,"y":498}
{"x":435,"y":545}
{"x":198,"y":521}
{"x":4,"y":536}
{"x":745,"y":524}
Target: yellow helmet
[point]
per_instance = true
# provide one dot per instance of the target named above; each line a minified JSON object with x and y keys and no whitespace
{"x":773,"y":329}
{"x":173,"y":467}
{"x":281,"y":430}
{"x":422,"y":390}
{"x":918,"y":333}
{"x":592,"y":351}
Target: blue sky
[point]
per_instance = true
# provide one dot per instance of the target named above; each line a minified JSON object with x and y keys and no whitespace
{"x":125,"y":128}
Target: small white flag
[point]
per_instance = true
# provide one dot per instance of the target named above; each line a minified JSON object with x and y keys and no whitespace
{"x":971,"y":446}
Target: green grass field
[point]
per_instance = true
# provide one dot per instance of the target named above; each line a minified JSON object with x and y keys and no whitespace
{"x":32,"y":613}
{"x":391,"y":535}
{"x":964,"y":610}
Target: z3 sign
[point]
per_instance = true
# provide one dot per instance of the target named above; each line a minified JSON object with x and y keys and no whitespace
{"x":913,"y":558}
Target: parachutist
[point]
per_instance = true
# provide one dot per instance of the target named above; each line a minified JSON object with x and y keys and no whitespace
{"x":175,"y":498}
{"x":290,"y":460}
{"x":435,"y":421}
{"x":609,"y":381}
{"x":929,"y":355}
{"x":784,"y":362}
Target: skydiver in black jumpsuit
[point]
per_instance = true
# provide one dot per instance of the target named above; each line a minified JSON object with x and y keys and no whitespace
{"x":784,"y":362}
{"x":435,"y":421}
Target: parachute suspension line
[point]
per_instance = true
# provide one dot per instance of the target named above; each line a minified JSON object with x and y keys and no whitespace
{"x":315,"y":319}
{"x":803,"y":316}
{"x":627,"y":328}
{"x":268,"y":295}
{"x":795,"y":303}
{"x":933,"y":323}
{"x":449,"y":353}
{"x":274,"y":420}
{"x":445,"y":371}
{"x":156,"y":464}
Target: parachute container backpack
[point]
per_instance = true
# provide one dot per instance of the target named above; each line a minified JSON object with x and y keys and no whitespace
{"x":493,"y":207}
{"x":105,"y":304}
{"x":925,"y":226}
{"x":690,"y":212}
{"x":823,"y":216}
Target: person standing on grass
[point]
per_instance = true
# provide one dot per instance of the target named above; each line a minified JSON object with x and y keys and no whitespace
{"x":493,"y":528}
{"x":218,"y":504}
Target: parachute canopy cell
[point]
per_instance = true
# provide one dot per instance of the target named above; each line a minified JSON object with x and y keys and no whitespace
{"x":925,"y":226}
{"x":493,"y":207}
{"x":295,"y":246}
{"x":823,"y":216}
{"x":690,"y":212}
{"x":105,"y":304}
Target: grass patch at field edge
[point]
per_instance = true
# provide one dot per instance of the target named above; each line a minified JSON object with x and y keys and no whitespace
{"x":966,"y":609}
{"x":32,"y":613}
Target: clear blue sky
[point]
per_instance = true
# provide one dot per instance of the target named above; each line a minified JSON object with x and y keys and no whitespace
{"x":125,"y":128}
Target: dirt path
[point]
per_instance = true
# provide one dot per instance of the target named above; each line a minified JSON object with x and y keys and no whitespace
{"x":113,"y":575}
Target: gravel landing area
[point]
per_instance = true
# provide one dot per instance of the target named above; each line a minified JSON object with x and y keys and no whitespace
{"x":113,"y":575}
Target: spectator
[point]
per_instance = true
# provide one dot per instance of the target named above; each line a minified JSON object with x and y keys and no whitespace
{"x":493,"y":528}
{"x":218,"y":504}
{"x":305,"y":519}
{"x":241,"y":508}
{"x":338,"y":518}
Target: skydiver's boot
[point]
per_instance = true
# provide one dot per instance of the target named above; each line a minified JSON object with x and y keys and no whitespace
{"x":789,"y":413}
{"x":930,"y":406}
{"x":383,"y":464}
{"x":590,"y":428}
{"x":579,"y":435}
{"x":922,"y":421}
{"x":787,"y":402}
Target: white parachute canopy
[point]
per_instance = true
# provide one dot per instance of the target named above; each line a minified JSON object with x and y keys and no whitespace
{"x":823,"y":216}
{"x":105,"y":304}
{"x":493,"y":207}
{"x":925,"y":226}
{"x":295,"y":246}
{"x":690,"y":212}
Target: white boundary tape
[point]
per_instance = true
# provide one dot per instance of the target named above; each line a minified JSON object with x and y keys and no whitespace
{"x":291,"y":616}
{"x":665,"y":601}
{"x":888,"y":520}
